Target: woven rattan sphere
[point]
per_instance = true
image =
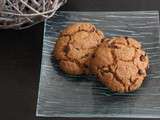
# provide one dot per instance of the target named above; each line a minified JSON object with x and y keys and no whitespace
{"x":18,"y":14}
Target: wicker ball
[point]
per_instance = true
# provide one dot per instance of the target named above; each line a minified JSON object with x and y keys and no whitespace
{"x":20,"y":14}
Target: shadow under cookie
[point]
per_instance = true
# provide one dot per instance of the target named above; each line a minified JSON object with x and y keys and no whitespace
{"x":71,"y":78}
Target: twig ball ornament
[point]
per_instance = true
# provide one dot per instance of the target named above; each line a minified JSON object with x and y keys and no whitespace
{"x":18,"y":14}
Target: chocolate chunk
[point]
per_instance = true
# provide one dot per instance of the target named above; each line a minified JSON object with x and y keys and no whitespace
{"x":77,"y":49}
{"x":142,"y":58}
{"x":66,"y":49}
{"x":126,"y":37}
{"x":141,"y":72}
{"x":93,"y":56}
{"x":86,"y":66}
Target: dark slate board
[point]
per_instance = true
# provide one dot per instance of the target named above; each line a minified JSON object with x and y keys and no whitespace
{"x":62,"y":95}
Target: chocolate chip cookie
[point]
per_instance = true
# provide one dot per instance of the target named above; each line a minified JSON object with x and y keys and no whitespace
{"x":75,"y":46}
{"x":120,"y":63}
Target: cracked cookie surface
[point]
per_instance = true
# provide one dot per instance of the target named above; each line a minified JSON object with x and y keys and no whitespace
{"x":75,"y":46}
{"x":120,"y":63}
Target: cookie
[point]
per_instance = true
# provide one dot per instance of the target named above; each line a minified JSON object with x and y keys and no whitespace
{"x":75,"y":46}
{"x":120,"y":63}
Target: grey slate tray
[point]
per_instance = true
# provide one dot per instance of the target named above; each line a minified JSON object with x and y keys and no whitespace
{"x":62,"y":95}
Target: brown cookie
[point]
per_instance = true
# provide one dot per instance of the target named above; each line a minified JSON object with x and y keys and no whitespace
{"x":75,"y":46}
{"x":120,"y":63}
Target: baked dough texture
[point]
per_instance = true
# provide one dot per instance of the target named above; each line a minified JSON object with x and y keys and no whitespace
{"x":75,"y":46}
{"x":120,"y":63}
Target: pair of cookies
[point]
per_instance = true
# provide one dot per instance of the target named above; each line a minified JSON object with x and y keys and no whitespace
{"x":118,"y":62}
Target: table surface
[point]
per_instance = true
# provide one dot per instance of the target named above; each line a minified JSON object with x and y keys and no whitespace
{"x":21,"y":58}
